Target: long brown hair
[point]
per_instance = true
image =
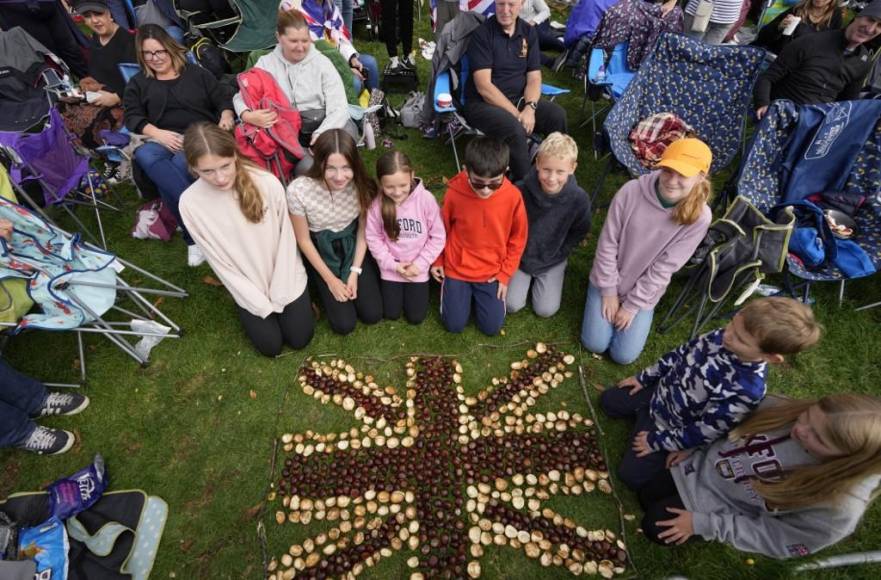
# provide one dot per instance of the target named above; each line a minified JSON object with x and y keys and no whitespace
{"x":853,"y":427}
{"x":390,"y":163}
{"x":208,"y":139}
{"x":339,"y":141}
{"x":290,"y":19}
{"x":176,"y":52}
{"x":802,"y":11}
{"x":688,"y":210}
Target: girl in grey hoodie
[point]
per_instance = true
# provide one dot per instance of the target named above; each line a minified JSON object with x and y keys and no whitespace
{"x":794,"y":478}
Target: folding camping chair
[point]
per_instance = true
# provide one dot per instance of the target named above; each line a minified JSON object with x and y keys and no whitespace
{"x":25,"y":66}
{"x":455,"y":121}
{"x":78,"y":286}
{"x":736,"y":254}
{"x":49,"y":159}
{"x":255,"y":28}
{"x":709,"y":87}
{"x":766,"y":173}
{"x":607,"y":77}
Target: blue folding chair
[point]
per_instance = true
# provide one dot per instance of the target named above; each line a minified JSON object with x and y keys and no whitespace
{"x":607,"y":77}
{"x":443,"y":84}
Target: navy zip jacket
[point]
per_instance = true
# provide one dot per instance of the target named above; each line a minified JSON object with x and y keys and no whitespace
{"x":557,"y":223}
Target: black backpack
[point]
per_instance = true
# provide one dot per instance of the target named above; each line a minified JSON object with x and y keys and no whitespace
{"x":210,"y":57}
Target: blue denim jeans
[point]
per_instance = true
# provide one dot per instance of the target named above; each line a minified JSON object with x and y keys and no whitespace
{"x":20,"y":399}
{"x":168,"y":170}
{"x":371,"y":67}
{"x":599,"y":335}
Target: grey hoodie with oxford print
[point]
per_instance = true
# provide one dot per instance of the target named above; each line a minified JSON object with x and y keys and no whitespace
{"x":715,"y":483}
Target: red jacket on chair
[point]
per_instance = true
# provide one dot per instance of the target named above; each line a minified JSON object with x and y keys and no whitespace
{"x":279,"y":142}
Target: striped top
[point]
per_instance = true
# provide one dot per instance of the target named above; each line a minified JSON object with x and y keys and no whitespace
{"x":724,"y":11}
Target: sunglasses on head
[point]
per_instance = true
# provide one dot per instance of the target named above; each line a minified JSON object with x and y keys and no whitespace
{"x":493,"y":185}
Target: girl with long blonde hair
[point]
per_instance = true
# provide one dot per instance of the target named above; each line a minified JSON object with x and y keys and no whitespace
{"x":655,"y":223}
{"x":795,"y":477}
{"x":237,"y":213}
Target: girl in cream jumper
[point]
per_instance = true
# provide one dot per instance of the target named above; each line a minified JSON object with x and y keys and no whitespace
{"x":405,"y":234}
{"x":238,"y":215}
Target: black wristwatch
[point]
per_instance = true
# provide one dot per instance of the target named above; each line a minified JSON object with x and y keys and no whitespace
{"x":533,"y":104}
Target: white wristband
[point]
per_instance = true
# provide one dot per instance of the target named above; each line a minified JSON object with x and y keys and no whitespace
{"x":356,"y":270}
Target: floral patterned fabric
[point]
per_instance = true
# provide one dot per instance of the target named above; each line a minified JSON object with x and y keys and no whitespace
{"x":638,"y":23}
{"x":53,"y":262}
{"x":759,"y":181}
{"x":709,"y":87}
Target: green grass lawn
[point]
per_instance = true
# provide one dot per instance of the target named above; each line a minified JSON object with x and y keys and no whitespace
{"x":198,"y":426}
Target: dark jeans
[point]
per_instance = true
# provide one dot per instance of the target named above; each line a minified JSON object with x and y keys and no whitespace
{"x":400,"y":31}
{"x":367,"y":307}
{"x":168,"y":170}
{"x":20,"y":399}
{"x":293,"y":326}
{"x":499,"y":123}
{"x":457,"y":297}
{"x":617,"y":403}
{"x":655,"y":497}
{"x":411,"y":297}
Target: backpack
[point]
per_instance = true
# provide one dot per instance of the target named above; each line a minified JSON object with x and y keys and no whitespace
{"x":210,"y":57}
{"x":411,"y":110}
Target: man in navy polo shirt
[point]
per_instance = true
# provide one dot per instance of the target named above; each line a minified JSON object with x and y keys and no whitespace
{"x":502,"y":97}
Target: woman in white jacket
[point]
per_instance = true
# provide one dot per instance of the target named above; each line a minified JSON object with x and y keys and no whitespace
{"x":309,"y":80}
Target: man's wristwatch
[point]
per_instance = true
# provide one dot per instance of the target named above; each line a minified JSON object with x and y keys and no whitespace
{"x":532,"y":104}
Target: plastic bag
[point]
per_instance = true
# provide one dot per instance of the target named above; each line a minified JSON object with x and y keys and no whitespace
{"x":46,"y":545}
{"x":70,"y":495}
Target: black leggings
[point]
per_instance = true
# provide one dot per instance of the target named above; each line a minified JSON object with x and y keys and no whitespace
{"x":293,"y":326}
{"x":412,"y":297}
{"x":402,"y":12}
{"x":367,"y":307}
{"x":655,"y":497}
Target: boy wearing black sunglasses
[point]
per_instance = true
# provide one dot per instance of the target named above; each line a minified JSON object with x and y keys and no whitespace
{"x":486,"y":226}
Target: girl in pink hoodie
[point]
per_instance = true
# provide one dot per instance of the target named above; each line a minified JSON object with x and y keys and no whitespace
{"x":405,"y":234}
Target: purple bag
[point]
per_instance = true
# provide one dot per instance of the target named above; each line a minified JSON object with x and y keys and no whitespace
{"x":154,"y":222}
{"x":70,"y":495}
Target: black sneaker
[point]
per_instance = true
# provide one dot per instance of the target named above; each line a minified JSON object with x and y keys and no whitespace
{"x":46,"y":441}
{"x":407,"y":62}
{"x":63,"y":404}
{"x":111,"y":174}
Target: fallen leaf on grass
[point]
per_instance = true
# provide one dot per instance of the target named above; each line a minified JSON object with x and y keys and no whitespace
{"x":596,"y":356}
{"x":211,"y":281}
{"x":158,"y":302}
{"x":252,"y":393}
{"x":599,"y":387}
{"x":253,"y":512}
{"x":185,"y":545}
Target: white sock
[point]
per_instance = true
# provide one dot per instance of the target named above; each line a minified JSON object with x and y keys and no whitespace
{"x":394,"y":62}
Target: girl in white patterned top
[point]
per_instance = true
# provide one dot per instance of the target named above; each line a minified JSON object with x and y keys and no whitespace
{"x":327,"y":208}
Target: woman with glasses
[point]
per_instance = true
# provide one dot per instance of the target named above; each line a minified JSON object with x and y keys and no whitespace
{"x":161,"y":102}
{"x":328,"y":208}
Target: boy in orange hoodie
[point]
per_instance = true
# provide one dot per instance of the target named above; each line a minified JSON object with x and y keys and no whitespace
{"x":486,"y":226}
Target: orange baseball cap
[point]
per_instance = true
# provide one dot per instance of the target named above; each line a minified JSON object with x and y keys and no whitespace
{"x":687,"y":156}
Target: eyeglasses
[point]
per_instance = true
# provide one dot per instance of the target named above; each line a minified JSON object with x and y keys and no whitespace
{"x":490,"y":185}
{"x":154,"y":54}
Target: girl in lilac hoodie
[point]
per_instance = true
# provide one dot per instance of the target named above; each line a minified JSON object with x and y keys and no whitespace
{"x":654,"y":225}
{"x":405,"y":234}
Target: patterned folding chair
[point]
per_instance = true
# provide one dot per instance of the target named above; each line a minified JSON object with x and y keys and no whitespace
{"x":708,"y":86}
{"x":763,"y":181}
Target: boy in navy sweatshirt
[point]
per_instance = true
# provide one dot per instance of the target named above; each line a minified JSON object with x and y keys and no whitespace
{"x":559,"y":218}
